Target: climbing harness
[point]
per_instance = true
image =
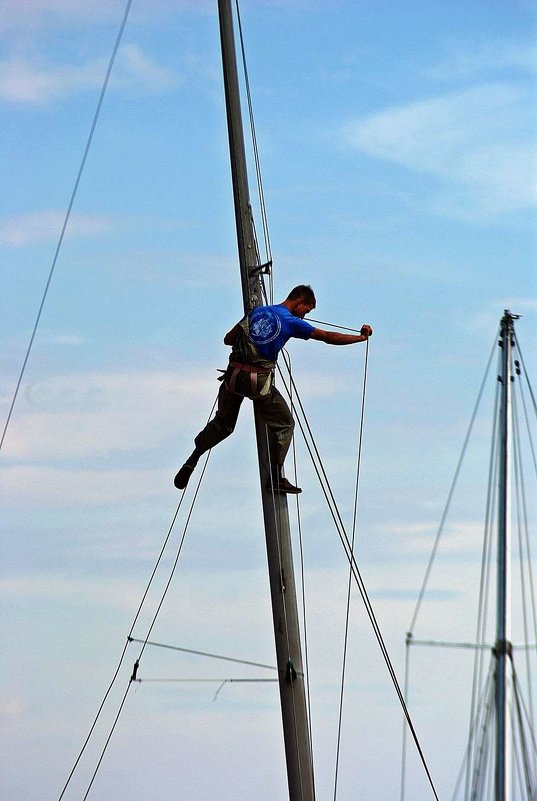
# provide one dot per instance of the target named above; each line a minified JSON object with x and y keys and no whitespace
{"x":258,"y":383}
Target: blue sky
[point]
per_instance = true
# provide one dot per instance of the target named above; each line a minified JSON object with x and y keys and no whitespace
{"x":397,"y":145}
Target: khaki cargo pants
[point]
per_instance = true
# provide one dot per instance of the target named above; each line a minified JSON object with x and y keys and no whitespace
{"x":271,"y":407}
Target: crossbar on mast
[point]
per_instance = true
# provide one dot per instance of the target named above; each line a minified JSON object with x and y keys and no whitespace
{"x":275,"y":512}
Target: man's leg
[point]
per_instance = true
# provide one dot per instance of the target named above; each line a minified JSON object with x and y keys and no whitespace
{"x":280,"y":424}
{"x":217,"y":429}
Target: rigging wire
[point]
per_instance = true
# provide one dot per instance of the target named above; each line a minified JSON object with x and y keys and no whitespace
{"x":528,"y":427}
{"x":450,"y":494}
{"x":519,"y":719}
{"x":340,"y":528}
{"x":287,"y":359}
{"x":145,"y":641}
{"x":526,"y":375}
{"x":349,"y":585}
{"x":67,"y":216}
{"x":202,"y":681}
{"x":484,"y":582}
{"x":532,"y":449}
{"x":116,"y":673}
{"x":262,"y":203}
{"x":277,"y":510}
{"x":203,"y":653}
{"x":107,"y":742}
{"x":129,"y":636}
{"x":402,"y":786}
{"x":466,"y":761}
{"x":484,"y":733}
{"x":523,"y":537}
{"x":479,"y":766}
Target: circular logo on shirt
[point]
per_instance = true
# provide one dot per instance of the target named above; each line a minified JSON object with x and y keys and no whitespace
{"x":264,"y":327}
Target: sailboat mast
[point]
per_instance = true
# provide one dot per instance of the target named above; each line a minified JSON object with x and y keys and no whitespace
{"x":275,"y":511}
{"x":502,"y":650}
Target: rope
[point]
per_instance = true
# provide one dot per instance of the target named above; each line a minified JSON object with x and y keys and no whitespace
{"x":349,"y":585}
{"x":340,"y":528}
{"x":67,"y":216}
{"x":335,"y":325}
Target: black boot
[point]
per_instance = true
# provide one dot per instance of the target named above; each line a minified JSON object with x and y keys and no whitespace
{"x":181,"y":479}
{"x":278,"y":483}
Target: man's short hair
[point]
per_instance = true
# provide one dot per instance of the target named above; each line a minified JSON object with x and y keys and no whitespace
{"x":303,"y":291}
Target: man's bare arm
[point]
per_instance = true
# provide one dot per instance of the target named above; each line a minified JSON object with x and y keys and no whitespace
{"x":335,"y":338}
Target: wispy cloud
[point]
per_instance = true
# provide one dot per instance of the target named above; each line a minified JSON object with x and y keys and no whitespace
{"x":136,"y":68}
{"x":32,"y":15}
{"x":478,"y":142}
{"x":484,"y":58}
{"x":46,"y":225}
{"x":12,"y":707}
{"x":72,"y":340}
{"x":24,"y":80}
{"x":70,"y":416}
{"x":31,"y":80}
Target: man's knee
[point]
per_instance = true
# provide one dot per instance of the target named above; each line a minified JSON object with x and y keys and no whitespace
{"x":217,"y":430}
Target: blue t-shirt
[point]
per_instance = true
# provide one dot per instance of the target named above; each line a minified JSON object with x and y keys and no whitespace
{"x":271,"y":326}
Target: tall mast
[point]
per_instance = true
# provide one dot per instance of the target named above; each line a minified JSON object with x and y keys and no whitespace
{"x":275,"y":512}
{"x":502,"y":649}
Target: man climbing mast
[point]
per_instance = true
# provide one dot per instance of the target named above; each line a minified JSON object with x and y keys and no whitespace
{"x":256,"y":342}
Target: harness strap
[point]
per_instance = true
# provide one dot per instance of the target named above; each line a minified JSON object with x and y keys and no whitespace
{"x":239,"y":367}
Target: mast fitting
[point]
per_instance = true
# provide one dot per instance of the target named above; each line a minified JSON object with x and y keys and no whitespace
{"x":290,"y":672}
{"x":262,"y":268}
{"x":503,"y":648}
{"x":135,"y":670}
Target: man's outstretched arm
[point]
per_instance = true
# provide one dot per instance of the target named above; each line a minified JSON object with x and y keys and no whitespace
{"x":335,"y":338}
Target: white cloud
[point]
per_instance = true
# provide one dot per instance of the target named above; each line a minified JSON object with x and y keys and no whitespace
{"x":46,"y":225}
{"x":134,"y":67}
{"x":28,"y":80}
{"x":32,"y":15}
{"x":479,"y":141}
{"x":492,"y":57}
{"x":23,"y":80}
{"x":65,"y":339}
{"x":75,"y":415}
{"x":458,"y":539}
{"x":12,"y":707}
{"x":29,"y":486}
{"x":70,"y":416}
